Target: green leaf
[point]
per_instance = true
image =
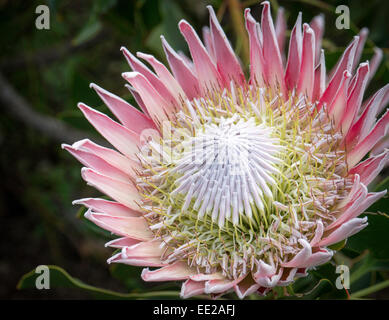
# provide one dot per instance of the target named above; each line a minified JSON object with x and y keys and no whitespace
{"x":384,"y":184}
{"x":90,"y":30}
{"x":371,"y":289}
{"x":338,"y":246}
{"x":367,"y":264}
{"x":322,"y":287}
{"x":315,"y":292}
{"x":59,"y":278}
{"x":171,"y":15}
{"x":128,"y":275}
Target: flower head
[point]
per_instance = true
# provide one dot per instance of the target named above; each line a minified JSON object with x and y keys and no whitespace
{"x":233,"y":184}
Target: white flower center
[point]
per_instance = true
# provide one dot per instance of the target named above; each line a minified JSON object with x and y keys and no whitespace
{"x":226,"y":169}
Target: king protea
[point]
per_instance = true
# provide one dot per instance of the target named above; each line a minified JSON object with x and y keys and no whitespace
{"x":228,"y":183}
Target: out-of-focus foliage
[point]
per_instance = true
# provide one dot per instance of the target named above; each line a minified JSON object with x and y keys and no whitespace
{"x":52,"y":70}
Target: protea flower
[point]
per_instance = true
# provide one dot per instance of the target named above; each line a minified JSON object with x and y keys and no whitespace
{"x":228,"y":183}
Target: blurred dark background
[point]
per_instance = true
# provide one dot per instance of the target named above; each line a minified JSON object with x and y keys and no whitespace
{"x":46,"y":72}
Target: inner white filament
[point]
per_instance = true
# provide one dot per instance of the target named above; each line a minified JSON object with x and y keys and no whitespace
{"x":228,"y":169}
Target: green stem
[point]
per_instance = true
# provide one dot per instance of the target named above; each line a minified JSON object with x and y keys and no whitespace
{"x":370,"y":290}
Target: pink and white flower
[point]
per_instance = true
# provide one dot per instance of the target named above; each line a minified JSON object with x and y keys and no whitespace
{"x":235,"y":184}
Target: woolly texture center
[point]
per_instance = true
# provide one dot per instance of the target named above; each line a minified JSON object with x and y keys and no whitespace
{"x":226,"y":170}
